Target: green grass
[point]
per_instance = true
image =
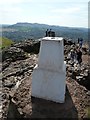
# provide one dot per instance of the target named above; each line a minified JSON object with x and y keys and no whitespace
{"x":5,"y":42}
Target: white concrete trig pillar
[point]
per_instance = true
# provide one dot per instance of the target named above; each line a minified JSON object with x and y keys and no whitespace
{"x":48,"y":78}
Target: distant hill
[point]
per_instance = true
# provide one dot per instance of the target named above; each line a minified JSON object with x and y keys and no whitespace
{"x":22,"y":31}
{"x":5,"y":42}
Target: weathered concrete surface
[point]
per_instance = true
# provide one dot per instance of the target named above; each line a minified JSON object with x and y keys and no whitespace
{"x":48,"y":78}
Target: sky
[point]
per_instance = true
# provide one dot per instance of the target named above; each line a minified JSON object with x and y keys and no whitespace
{"x":71,"y":13}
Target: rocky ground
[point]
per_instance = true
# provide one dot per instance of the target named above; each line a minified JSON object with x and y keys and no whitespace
{"x":16,"y":100}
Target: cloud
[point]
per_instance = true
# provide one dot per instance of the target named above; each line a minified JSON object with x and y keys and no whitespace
{"x":3,"y":2}
{"x":68,"y":20}
{"x":67,"y":10}
{"x":10,"y":9}
{"x":55,"y":12}
{"x":12,"y":5}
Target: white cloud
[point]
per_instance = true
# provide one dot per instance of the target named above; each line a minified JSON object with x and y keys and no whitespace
{"x":40,"y":1}
{"x":13,"y":1}
{"x":11,"y":10}
{"x":55,"y":12}
{"x":66,"y":10}
{"x":68,"y":20}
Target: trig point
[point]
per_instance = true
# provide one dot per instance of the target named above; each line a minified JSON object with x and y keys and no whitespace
{"x":49,"y":76}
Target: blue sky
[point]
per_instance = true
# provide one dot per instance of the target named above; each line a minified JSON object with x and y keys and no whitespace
{"x":72,"y":13}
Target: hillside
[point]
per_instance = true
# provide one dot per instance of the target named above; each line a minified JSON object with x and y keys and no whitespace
{"x":5,"y":42}
{"x":22,"y":31}
{"x":17,"y":102}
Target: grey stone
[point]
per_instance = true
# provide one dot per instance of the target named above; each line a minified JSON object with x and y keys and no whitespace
{"x":88,"y":93}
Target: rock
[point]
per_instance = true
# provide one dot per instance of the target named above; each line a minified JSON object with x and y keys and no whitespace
{"x":85,"y":74}
{"x":0,"y":115}
{"x":9,"y":82}
{"x":27,"y":108}
{"x":29,"y":46}
{"x":17,"y":84}
{"x":88,"y":93}
{"x":5,"y":64}
{"x":68,"y":42}
{"x":4,"y":96}
{"x":13,"y":54}
{"x":79,"y":77}
{"x":17,"y":68}
{"x":70,"y":69}
{"x":20,"y":111}
{"x":69,"y":74}
{"x":9,"y":85}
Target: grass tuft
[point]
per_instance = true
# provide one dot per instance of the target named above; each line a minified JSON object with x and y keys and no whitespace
{"x":5,"y":42}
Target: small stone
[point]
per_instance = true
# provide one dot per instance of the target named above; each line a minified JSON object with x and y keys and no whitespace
{"x":79,"y":77}
{"x":4,"y":96}
{"x":20,"y":111}
{"x":27,"y":109}
{"x":0,"y":115}
{"x":88,"y":93}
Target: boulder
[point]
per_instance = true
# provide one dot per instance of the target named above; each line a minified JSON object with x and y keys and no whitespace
{"x":13,"y":54}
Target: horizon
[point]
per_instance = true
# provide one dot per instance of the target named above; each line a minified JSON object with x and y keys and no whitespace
{"x":43,"y":24}
{"x":53,"y":12}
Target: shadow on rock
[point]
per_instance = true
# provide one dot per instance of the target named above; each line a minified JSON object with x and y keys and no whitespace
{"x":13,"y":113}
{"x":47,"y":109}
{"x":85,"y":82}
